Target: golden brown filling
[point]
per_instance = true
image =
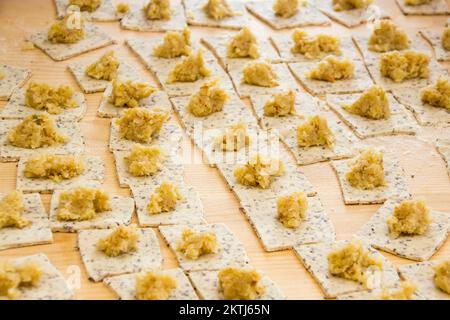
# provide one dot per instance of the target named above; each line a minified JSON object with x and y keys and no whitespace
{"x":11,"y":208}
{"x":164,"y":198}
{"x":54,"y":100}
{"x":124,"y":239}
{"x":68,"y":30}
{"x":154,"y":286}
{"x":372,"y":104}
{"x":416,"y":2}
{"x":259,"y":171}
{"x":175,"y":44}
{"x":54,"y":167}
{"x":367,"y":171}
{"x":13,"y":278}
{"x":344,"y":5}
{"x":261,"y":74}
{"x":315,"y":132}
{"x":234,"y":138}
{"x":191,"y":69}
{"x":104,"y":68}
{"x":437,"y":95}
{"x":442,"y":276}
{"x":331,"y":69}
{"x":122,"y":7}
{"x":144,"y":161}
{"x":243,"y":45}
{"x":218,"y":9}
{"x":400,"y":66}
{"x":405,"y":292}
{"x":86,"y":5}
{"x":196,"y":244}
{"x":158,"y":10}
{"x":128,"y":94}
{"x":386,"y":36}
{"x":286,"y":8}
{"x":446,"y":39}
{"x":409,"y":218}
{"x":2,"y":76}
{"x":314,"y":47}
{"x":82,"y":204}
{"x":240,"y":284}
{"x":209,"y":99}
{"x":281,"y":104}
{"x":291,"y":209}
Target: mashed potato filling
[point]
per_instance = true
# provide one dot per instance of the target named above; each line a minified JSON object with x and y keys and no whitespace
{"x":196,"y":244}
{"x":405,"y":292}
{"x":86,"y":5}
{"x":234,"y":138}
{"x":2,"y":76}
{"x":122,"y":7}
{"x":190,"y":69}
{"x":437,"y":95}
{"x":315,"y":132}
{"x":141,"y":124}
{"x":54,"y":100}
{"x":82,"y":204}
{"x":259,"y":171}
{"x":69,"y":30}
{"x":281,"y":104}
{"x":144,"y":161}
{"x":158,"y":10}
{"x":372,"y":104}
{"x":386,"y":36}
{"x":175,"y":44}
{"x":218,"y":9}
{"x":104,"y":68}
{"x":367,"y":171}
{"x":13,"y":278}
{"x":261,"y":74}
{"x":240,"y":284}
{"x":209,"y":99}
{"x":416,"y":2}
{"x":331,"y":69}
{"x":446,"y":39}
{"x":54,"y":167}
{"x":286,"y":8}
{"x":119,"y":242}
{"x":400,"y":66}
{"x":314,"y":47}
{"x":442,"y":276}
{"x":11,"y":208}
{"x":164,"y":198}
{"x":243,"y":45}
{"x":411,"y":217}
{"x":154,"y":286}
{"x":344,"y":5}
{"x":291,"y":209}
{"x":128,"y":94}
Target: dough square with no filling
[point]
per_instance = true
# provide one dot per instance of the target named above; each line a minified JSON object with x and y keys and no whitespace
{"x":422,"y":275}
{"x":51,"y":286}
{"x":38,"y":232}
{"x":104,"y":13}
{"x":435,"y":39}
{"x":314,"y":259}
{"x":71,"y":130}
{"x":136,"y":19}
{"x":197,"y":16}
{"x":375,"y":294}
{"x":400,"y":120}
{"x":231,"y":250}
{"x":17,"y":109}
{"x":306,"y":16}
{"x":99,"y":265}
{"x":394,"y":175}
{"x":124,"y":286}
{"x":14,"y":78}
{"x":416,"y":247}
{"x":443,"y":147}
{"x":94,"y":171}
{"x":206,"y":284}
{"x":188,"y":210}
{"x":357,"y":83}
{"x":435,"y":7}
{"x":263,"y":216}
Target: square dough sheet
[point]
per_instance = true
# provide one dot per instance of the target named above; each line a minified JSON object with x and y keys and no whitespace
{"x":443,"y":147}
{"x":314,"y":259}
{"x":206,"y":284}
{"x":306,"y":16}
{"x":375,"y":294}
{"x":188,"y":210}
{"x":435,"y":39}
{"x":417,"y":247}
{"x":435,"y":7}
{"x":99,"y":265}
{"x":14,"y":78}
{"x":38,"y":232}
{"x":106,"y":12}
{"x":262,"y":214}
{"x":231,"y":250}
{"x":95,"y":38}
{"x":71,"y":130}
{"x":400,"y":121}
{"x":94,"y":171}
{"x":124,"y":286}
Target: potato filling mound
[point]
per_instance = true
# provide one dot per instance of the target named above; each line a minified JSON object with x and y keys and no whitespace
{"x":405,"y":292}
{"x":243,"y":45}
{"x":240,"y":284}
{"x":128,"y":93}
{"x":104,"y":68}
{"x":409,"y":218}
{"x":367,"y":171}
{"x":164,"y":198}
{"x":2,"y":76}
{"x":68,"y":30}
{"x":13,"y":278}
{"x":209,"y":99}
{"x":54,"y":100}
{"x":122,"y":7}
{"x":386,"y":36}
{"x":196,"y":244}
{"x":261,"y":74}
{"x":315,"y":132}
{"x":372,"y":104}
{"x":446,"y":39}
{"x":158,"y":10}
{"x":344,"y":5}
{"x":86,"y":5}
{"x":175,"y":44}
{"x":331,"y":69}
{"x":119,"y":242}
{"x":191,"y":69}
{"x":286,"y":8}
{"x":11,"y":208}
{"x":353,"y":262}
{"x":314,"y":47}
{"x":437,"y":95}
{"x":234,"y":138}
{"x":218,"y":9}
{"x":144,"y":161}
{"x":54,"y":167}
{"x":281,"y":104}
{"x":416,"y":2}
{"x":291,"y":209}
{"x":82,"y":204}
{"x":35,"y":131}
{"x":154,"y":286}
{"x":442,"y":276}
{"x":400,"y":66}
{"x":259,"y":171}
{"x":141,"y":124}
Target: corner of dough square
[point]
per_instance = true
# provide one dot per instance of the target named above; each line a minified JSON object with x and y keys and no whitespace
{"x":435,"y":7}
{"x":13,"y":79}
{"x":443,"y":147}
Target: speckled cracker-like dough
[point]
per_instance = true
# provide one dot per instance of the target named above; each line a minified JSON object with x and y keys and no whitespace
{"x":16,"y":108}
{"x":435,"y":39}
{"x":71,"y":130}
{"x":38,"y":232}
{"x":314,"y":259}
{"x":13,"y":79}
{"x":187,"y":211}
{"x":52,"y":285}
{"x":95,"y":171}
{"x":206,"y":284}
{"x":136,"y":19}
{"x":436,"y":7}
{"x":359,"y":82}
{"x":104,"y":13}
{"x":374,"y":294}
{"x":443,"y":147}
{"x":124,"y":286}
{"x":400,"y":121}
{"x":307,"y":16}
{"x":422,"y":275}
{"x":99,"y":265}
{"x":395,"y":178}
{"x":94,"y":39}
{"x":231,"y":251}
{"x":417,"y":247}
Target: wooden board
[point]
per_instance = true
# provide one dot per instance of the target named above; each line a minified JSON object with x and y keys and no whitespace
{"x":426,"y":171}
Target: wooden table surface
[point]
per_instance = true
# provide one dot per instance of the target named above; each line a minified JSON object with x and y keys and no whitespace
{"x":425,"y":169}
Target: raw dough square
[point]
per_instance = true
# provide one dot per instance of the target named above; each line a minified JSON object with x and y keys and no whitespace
{"x":13,"y":79}
{"x":443,"y":147}
{"x":104,"y":13}
{"x":374,"y":294}
{"x":99,"y":265}
{"x":38,"y":232}
{"x":314,"y":259}
{"x":124,"y":286}
{"x":231,"y":251}
{"x":436,"y":7}
{"x":435,"y":39}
